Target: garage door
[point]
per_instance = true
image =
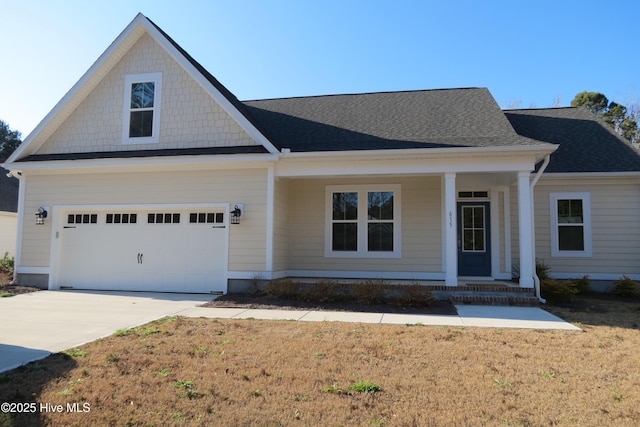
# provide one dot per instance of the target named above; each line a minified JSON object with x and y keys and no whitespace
{"x":163,"y":250}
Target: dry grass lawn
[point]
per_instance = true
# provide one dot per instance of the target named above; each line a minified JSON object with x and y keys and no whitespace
{"x":187,"y":372}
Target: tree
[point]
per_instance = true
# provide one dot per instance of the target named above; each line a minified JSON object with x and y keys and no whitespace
{"x":623,"y":120}
{"x":594,"y":101}
{"x":615,"y":114}
{"x":9,"y":141}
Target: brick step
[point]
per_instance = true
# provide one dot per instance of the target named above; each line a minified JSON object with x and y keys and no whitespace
{"x":515,"y":300}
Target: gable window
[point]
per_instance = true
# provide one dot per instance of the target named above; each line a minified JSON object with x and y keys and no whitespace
{"x":363,"y":221}
{"x":142,"y":108}
{"x":571,"y":224}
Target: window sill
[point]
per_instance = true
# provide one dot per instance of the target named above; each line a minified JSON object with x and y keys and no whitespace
{"x":571,"y":254}
{"x":363,"y":255}
{"x":141,"y":140}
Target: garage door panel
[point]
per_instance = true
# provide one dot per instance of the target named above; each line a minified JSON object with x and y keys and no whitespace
{"x":160,"y":251}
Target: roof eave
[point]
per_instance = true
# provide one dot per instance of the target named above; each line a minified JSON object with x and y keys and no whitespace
{"x":539,"y":150}
{"x":148,"y":162}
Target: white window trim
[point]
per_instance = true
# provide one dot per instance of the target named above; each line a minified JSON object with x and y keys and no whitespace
{"x":129,"y":80}
{"x":586,"y":213}
{"x":362,"y":191}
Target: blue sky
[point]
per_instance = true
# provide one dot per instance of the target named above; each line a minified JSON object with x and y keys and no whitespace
{"x":526,"y":52}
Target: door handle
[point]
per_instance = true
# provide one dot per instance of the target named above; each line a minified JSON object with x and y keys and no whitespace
{"x":141,"y":255}
{"x":139,"y":258}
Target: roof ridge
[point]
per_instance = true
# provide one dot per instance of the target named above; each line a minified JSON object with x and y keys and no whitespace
{"x":362,"y":93}
{"x":509,"y":110}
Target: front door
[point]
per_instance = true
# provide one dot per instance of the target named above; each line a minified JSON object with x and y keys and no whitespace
{"x":474,"y":241}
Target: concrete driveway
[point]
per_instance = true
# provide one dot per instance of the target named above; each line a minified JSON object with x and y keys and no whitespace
{"x":36,"y":324}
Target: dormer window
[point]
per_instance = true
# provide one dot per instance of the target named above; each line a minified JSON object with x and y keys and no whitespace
{"x":142,"y":108}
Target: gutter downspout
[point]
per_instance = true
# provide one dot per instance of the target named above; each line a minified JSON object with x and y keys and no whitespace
{"x":536,"y":279}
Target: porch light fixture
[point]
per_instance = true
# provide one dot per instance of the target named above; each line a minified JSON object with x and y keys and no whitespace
{"x":41,"y":215}
{"x":235,"y":215}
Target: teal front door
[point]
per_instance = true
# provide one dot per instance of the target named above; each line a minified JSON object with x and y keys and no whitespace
{"x":474,"y":239}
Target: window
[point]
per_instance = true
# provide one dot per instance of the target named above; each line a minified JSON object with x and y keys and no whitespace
{"x":363,"y":221}
{"x":571,"y":224}
{"x":122,"y":218}
{"x":163,"y":218}
{"x":142,"y":108}
{"x":473,"y":229}
{"x":82,"y":219}
{"x":206,"y":218}
{"x":473,"y":194}
{"x":380,"y":221}
{"x":344,"y":230}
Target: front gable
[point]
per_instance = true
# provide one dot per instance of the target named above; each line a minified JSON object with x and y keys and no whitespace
{"x":194,"y":110}
{"x":189,"y":117}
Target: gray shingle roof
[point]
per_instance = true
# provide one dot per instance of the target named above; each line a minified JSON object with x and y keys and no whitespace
{"x":387,"y":120}
{"x":587,"y":144}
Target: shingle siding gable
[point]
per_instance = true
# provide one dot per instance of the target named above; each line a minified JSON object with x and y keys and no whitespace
{"x":190,"y":118}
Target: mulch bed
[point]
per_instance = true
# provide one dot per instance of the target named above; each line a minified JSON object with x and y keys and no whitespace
{"x":257,"y":301}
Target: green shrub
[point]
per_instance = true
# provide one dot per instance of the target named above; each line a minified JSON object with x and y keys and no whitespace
{"x":558,"y":291}
{"x":414,"y":295}
{"x":365,"y":387}
{"x":626,"y":288}
{"x":7,"y":263}
{"x":582,"y":285}
{"x":542,"y":270}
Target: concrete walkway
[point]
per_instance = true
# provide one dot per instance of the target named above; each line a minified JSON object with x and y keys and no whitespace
{"x":37,"y":324}
{"x":468,"y":315}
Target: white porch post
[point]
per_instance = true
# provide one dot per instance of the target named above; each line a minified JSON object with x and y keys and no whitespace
{"x":450,"y":230}
{"x":525,"y":218}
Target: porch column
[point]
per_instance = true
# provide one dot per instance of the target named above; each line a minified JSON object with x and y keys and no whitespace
{"x":450,"y":230}
{"x":526,"y":236}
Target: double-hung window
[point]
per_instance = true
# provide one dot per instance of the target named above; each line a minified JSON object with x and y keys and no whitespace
{"x":570,"y":224}
{"x":141,"y":122}
{"x":363,"y":221}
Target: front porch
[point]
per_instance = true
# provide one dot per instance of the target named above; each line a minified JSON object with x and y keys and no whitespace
{"x":444,"y":230}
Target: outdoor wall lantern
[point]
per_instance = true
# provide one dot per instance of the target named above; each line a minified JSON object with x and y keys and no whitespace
{"x":236,"y":213}
{"x":41,"y":215}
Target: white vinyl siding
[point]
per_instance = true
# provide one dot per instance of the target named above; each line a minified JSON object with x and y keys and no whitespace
{"x":247,"y":241}
{"x":8,"y":232}
{"x":421,"y":233}
{"x":615,"y":226}
{"x":281,"y":225}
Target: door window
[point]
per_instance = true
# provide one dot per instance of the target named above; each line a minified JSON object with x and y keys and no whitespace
{"x":473,"y":229}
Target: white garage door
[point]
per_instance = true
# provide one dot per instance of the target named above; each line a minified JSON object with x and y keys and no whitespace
{"x":168,"y":250}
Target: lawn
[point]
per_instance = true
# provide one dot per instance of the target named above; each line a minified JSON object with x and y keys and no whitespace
{"x":187,"y":372}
